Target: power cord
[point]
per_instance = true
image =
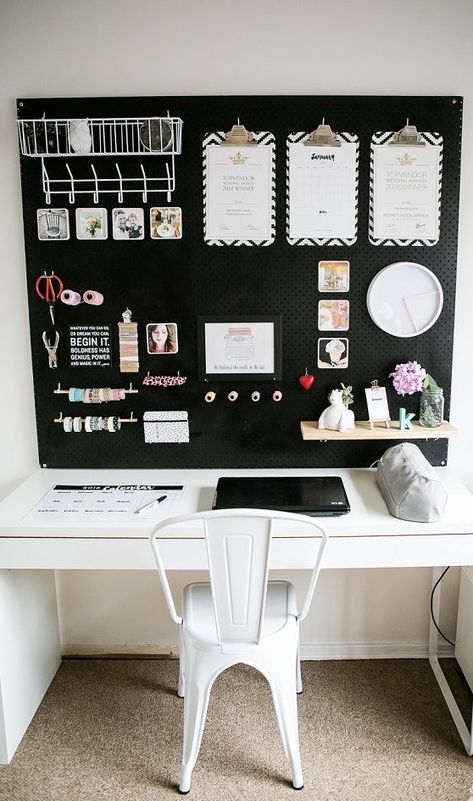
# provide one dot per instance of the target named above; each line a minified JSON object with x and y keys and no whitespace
{"x":432,"y":607}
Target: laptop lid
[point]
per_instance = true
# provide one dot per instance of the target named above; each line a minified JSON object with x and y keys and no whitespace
{"x":310,"y":495}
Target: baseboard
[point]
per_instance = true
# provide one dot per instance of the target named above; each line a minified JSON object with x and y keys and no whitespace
{"x":317,"y":652}
{"x":389,"y":650}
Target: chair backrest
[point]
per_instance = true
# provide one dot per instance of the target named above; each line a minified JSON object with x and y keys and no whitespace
{"x":238,"y":547}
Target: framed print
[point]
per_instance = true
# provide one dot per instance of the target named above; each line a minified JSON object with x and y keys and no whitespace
{"x":166,"y":222}
{"x":161,"y":338}
{"x":334,"y":315}
{"x":332,"y":354}
{"x":91,"y":224}
{"x":53,"y":224}
{"x":239,"y":348}
{"x":334,"y":276}
{"x":128,"y":223}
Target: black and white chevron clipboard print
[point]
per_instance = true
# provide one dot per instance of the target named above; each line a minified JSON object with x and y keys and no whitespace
{"x":337,"y":241}
{"x":382,"y":138}
{"x":261,"y":138}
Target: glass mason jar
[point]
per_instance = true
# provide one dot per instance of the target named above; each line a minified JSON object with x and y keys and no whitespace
{"x":431,"y":407}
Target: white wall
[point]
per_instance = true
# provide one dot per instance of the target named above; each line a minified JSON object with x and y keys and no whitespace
{"x":148,"y":47}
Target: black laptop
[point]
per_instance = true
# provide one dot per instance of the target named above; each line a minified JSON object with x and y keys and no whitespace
{"x":317,"y":496}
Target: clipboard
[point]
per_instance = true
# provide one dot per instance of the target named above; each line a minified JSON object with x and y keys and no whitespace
{"x":239,"y":184}
{"x":405,"y":187}
{"x":322,"y":179}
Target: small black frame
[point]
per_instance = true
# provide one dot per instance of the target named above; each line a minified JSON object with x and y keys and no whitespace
{"x":243,"y":347}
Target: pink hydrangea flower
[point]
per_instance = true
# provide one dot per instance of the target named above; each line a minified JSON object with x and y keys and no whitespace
{"x":408,"y":378}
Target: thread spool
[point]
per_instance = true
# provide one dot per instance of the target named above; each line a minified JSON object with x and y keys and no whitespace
{"x":70,"y":298}
{"x":92,"y":297}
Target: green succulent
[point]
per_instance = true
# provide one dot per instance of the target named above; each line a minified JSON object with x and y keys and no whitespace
{"x":347,"y":394}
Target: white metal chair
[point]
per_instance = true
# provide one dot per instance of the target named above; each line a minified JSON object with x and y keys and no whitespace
{"x":239,"y":616}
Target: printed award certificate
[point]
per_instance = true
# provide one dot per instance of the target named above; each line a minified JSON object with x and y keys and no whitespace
{"x":406,"y":192}
{"x":239,"y":193}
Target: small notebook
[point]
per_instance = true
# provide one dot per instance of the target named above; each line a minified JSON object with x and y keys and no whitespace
{"x":310,"y":495}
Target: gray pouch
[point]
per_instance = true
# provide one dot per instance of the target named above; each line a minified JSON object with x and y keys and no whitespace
{"x":409,"y":485}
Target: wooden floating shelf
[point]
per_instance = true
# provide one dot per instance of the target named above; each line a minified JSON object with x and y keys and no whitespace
{"x":310,"y":431}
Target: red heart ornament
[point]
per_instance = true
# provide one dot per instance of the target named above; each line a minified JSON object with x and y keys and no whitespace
{"x":306,"y":381}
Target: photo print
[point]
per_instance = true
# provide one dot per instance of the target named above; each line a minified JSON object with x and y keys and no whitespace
{"x":334,"y":315}
{"x":332,"y":354}
{"x":128,"y":223}
{"x":53,"y":224}
{"x":161,"y":338}
{"x":166,"y":222}
{"x":334,"y":276}
{"x":91,"y":224}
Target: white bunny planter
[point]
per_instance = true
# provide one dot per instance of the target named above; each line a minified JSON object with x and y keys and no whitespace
{"x":336,"y":417}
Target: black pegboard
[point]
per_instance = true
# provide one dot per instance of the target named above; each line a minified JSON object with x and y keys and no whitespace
{"x":180,"y":280}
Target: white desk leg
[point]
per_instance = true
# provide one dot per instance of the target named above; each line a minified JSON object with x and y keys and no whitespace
{"x":465,"y":733}
{"x":29,"y":650}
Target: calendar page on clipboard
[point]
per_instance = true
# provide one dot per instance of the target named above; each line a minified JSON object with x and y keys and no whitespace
{"x":322,"y":191}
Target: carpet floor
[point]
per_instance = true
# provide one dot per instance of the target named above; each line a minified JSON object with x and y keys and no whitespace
{"x":110,"y":730}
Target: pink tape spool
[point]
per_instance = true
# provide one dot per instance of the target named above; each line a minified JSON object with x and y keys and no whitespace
{"x":93,"y":297}
{"x":70,"y":298}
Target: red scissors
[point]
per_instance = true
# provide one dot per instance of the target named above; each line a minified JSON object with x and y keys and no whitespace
{"x":49,"y":288}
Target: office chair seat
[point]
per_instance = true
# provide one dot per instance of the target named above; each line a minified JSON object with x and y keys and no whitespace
{"x":199,"y":623}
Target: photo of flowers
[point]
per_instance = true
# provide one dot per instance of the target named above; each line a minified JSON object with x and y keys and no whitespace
{"x":91,"y":224}
{"x":53,"y":224}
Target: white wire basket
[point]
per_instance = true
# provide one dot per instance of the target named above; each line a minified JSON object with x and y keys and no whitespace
{"x":127,"y":136}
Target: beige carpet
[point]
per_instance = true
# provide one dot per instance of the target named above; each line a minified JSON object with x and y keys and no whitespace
{"x":110,"y":730}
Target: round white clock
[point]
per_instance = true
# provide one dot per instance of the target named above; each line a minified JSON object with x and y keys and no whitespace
{"x":404,"y":299}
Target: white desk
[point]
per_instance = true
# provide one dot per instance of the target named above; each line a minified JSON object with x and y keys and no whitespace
{"x":29,"y":555}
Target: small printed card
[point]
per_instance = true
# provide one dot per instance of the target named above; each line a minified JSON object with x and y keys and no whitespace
{"x":332,"y":353}
{"x":91,"y":224}
{"x":334,"y":276}
{"x":128,"y":223}
{"x":334,"y":315}
{"x":377,"y":402}
{"x":166,"y":222}
{"x":53,"y":224}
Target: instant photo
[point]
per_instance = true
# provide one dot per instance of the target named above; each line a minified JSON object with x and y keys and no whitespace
{"x":53,"y":224}
{"x":128,"y":223}
{"x":332,"y":354}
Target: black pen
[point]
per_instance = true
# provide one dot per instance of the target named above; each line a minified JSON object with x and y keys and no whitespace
{"x":152,"y":504}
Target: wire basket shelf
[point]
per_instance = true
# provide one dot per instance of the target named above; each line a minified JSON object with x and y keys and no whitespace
{"x":127,"y":136}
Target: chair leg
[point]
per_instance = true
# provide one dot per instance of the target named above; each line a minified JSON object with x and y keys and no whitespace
{"x":298,"y":669}
{"x":181,"y":686}
{"x":196,"y":700}
{"x":283,"y":689}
